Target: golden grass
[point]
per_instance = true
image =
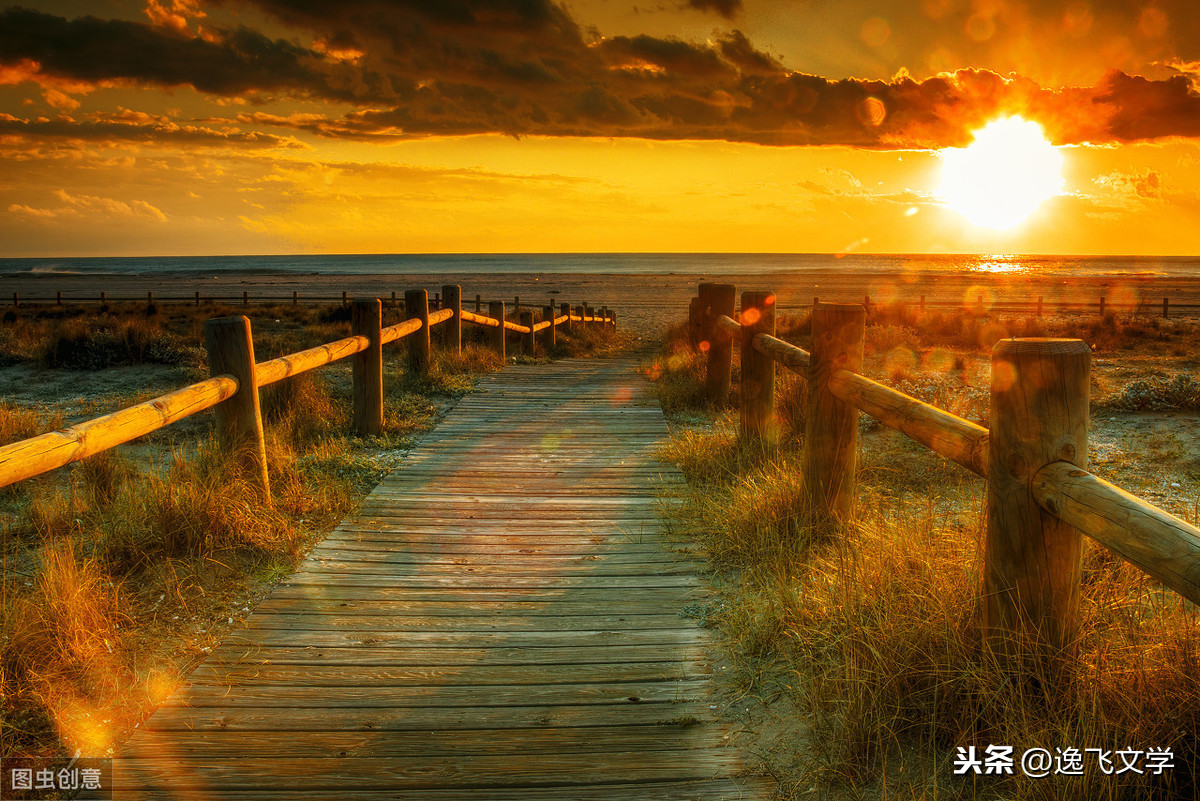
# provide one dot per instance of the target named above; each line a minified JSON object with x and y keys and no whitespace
{"x":869,"y":634}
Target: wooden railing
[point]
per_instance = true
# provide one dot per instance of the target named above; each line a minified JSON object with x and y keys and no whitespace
{"x":236,"y":379}
{"x":1040,"y":496}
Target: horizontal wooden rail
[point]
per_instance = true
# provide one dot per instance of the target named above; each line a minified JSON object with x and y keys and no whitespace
{"x":948,"y":435}
{"x":1157,"y":542}
{"x":785,"y":353}
{"x":480,"y":319}
{"x":398,"y":331}
{"x":517,"y":327}
{"x":27,"y":458}
{"x":729,"y":325}
{"x":283,"y":367}
{"x":440,"y":316}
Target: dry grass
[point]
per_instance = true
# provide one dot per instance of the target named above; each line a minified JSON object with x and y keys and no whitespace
{"x":869,"y":633}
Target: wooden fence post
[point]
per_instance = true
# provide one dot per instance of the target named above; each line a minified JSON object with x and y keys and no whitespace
{"x":197,"y":297}
{"x":1166,"y":308}
{"x":416,"y":306}
{"x":58,"y":298}
{"x":549,"y":337}
{"x":922,"y":304}
{"x":1039,"y":414}
{"x":245,"y":298}
{"x":239,"y":419}
{"x":758,"y":370}
{"x":16,"y":300}
{"x":1039,"y":306}
{"x":345,"y":298}
{"x":721,"y":301}
{"x":589,"y":313}
{"x":527,"y":346}
{"x":149,"y":298}
{"x":296,"y":297}
{"x":604,"y":316}
{"x":565,"y":309}
{"x":366,"y":319}
{"x":579,"y":312}
{"x":496,"y":312}
{"x":612,"y":318}
{"x":831,"y":430}
{"x":1102,"y":299}
{"x":104,"y":297}
{"x":479,"y":304}
{"x":693,"y":327}
{"x":452,"y":328}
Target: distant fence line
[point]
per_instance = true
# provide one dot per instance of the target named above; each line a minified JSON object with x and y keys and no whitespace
{"x":246,"y":299}
{"x":236,"y":378}
{"x":1040,"y":496}
{"x":1037,"y":307}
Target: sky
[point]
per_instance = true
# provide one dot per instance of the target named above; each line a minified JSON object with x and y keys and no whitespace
{"x":205,"y":127}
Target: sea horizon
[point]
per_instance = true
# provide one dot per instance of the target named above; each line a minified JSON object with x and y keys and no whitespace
{"x":616,"y":263}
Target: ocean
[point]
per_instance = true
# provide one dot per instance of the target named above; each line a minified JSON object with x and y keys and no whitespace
{"x":714,"y":264}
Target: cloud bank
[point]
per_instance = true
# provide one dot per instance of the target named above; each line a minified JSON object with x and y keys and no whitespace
{"x":406,"y":68}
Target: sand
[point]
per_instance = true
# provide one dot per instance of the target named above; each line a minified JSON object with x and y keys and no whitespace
{"x":643,"y":303}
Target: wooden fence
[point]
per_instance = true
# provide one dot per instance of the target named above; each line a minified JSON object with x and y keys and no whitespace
{"x":1040,"y":496}
{"x":1036,"y":307}
{"x":236,"y":378}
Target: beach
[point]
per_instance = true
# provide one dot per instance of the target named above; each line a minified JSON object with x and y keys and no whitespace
{"x":644,"y":303}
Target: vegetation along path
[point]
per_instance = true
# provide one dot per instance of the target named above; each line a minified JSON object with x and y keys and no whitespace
{"x":501,"y":620}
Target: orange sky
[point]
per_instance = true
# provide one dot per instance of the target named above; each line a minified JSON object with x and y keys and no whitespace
{"x":286,"y":126}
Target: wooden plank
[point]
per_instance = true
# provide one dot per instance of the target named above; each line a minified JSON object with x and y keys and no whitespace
{"x":436,"y":675}
{"x":690,"y":790}
{"x":331,"y":578}
{"x":254,"y":719}
{"x":461,"y":608}
{"x":466,"y":656}
{"x":382,"y":774}
{"x":458,"y":639}
{"x":486,"y":742}
{"x":291,"y":621}
{"x":416,"y":696}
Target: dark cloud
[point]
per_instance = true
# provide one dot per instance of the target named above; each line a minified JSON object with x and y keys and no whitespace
{"x":726,"y":8}
{"x":240,"y":62}
{"x":133,"y":127}
{"x":523,"y":67}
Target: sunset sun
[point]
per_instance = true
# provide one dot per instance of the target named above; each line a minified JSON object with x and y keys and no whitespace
{"x":1003,"y":176}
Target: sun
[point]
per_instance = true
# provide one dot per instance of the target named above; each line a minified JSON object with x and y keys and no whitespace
{"x":1003,"y":176}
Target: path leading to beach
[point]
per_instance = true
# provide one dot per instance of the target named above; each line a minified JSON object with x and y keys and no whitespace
{"x":503,"y":619}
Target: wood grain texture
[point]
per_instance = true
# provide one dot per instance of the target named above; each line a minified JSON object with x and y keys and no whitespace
{"x":366,"y":321}
{"x":831,"y":427}
{"x":1158,"y":542}
{"x":31,"y":457}
{"x":230,"y":348}
{"x":958,"y":440}
{"x":1039,"y":415}
{"x":502,"y":619}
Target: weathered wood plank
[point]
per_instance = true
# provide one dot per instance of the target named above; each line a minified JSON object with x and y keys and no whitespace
{"x":231,"y":653}
{"x":311,"y":676}
{"x":415,"y":696}
{"x":690,"y":790}
{"x":254,"y":719}
{"x":480,"y":770}
{"x":484,"y":742}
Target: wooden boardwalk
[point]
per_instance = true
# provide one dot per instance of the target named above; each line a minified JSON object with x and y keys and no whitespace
{"x":502,"y":620}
